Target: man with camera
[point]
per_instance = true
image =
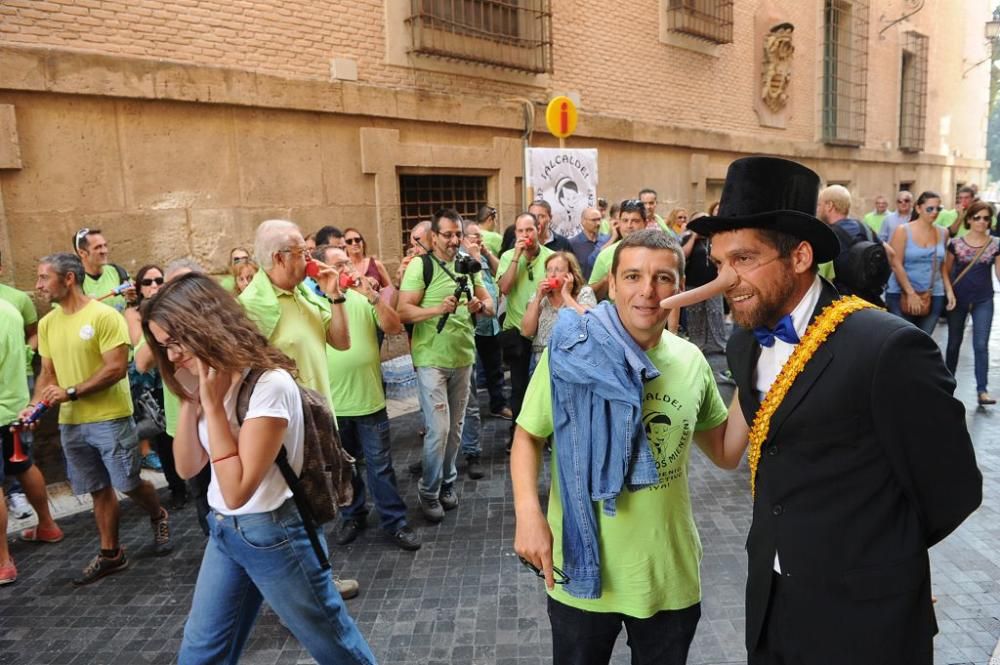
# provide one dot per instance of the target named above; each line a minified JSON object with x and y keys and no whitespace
{"x":105,"y":281}
{"x":443,"y":351}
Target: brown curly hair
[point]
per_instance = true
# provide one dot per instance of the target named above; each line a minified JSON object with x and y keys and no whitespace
{"x":198,"y":313}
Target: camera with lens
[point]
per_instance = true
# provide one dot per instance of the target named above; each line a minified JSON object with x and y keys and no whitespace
{"x":466,"y":265}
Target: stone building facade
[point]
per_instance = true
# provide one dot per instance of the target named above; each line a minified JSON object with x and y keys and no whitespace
{"x":177,"y":126}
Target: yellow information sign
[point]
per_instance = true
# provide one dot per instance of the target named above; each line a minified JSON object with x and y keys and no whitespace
{"x":560,"y":117}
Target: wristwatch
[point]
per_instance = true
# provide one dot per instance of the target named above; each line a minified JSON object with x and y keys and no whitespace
{"x":339,"y":300}
{"x":71,"y":393}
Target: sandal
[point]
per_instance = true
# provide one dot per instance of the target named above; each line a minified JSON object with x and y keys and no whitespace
{"x":985,"y":399}
{"x":37,"y":535}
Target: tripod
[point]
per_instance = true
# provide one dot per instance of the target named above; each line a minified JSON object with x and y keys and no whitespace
{"x":462,"y":287}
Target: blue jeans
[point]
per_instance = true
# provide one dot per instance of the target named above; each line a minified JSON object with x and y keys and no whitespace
{"x":368,"y":437}
{"x":443,"y":394}
{"x":982,"y":322}
{"x":472,"y":426}
{"x":893,"y":303}
{"x":266,"y":556}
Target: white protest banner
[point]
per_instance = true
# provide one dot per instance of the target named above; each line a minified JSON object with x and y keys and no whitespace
{"x":567,"y":179}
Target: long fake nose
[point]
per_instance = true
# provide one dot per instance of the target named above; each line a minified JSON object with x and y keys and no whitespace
{"x":726,"y":280}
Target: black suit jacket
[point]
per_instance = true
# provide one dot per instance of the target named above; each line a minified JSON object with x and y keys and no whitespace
{"x":868,"y":463}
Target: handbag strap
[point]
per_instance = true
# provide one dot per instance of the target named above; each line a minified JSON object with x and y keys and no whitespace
{"x":975,"y":260}
{"x":934,"y":261}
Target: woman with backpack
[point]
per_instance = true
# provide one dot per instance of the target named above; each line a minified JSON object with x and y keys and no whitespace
{"x":259,"y":547}
{"x":970,"y":262}
{"x":919,"y":288}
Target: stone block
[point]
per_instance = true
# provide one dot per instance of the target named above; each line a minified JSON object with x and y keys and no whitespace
{"x":280,"y":161}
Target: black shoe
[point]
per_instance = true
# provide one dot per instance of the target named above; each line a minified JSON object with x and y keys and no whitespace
{"x":406,"y":539}
{"x":416,"y":468}
{"x":101,"y":566}
{"x":178,"y":499}
{"x":432,"y":510}
{"x":473,"y":468}
{"x":349,"y":530}
{"x":449,"y":500}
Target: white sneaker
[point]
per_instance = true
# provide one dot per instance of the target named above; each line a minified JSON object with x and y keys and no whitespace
{"x":19,"y":506}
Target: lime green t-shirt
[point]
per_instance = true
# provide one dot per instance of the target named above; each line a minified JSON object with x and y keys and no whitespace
{"x":13,"y":381}
{"x":492,"y":240}
{"x":602,"y":264}
{"x":650,"y":550}
{"x":528,"y":278}
{"x":103,"y":285}
{"x":455,"y":346}
{"x":301,"y":334}
{"x":76,"y":343}
{"x":874,"y":221}
{"x":605,"y":227}
{"x":23,"y":304}
{"x":356,"y":374}
{"x":171,"y":409}
{"x":228,"y":282}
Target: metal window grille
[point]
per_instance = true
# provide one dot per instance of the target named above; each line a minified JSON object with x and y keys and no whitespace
{"x":711,"y":20}
{"x":913,"y":92}
{"x":514,"y":34}
{"x":421,"y":195}
{"x":845,"y":71}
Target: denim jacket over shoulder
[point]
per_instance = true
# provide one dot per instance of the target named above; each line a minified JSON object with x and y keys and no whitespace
{"x":598,"y":372}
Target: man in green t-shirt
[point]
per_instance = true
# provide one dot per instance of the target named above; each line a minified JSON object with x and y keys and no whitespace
{"x":649,"y":546}
{"x":84,"y":346}
{"x":632,"y":217}
{"x":875,"y":218}
{"x":952,"y":219}
{"x":356,"y":387}
{"x":444,"y":359}
{"x":648,"y":198}
{"x":486,"y":219}
{"x":103,"y":280}
{"x":521,"y":269}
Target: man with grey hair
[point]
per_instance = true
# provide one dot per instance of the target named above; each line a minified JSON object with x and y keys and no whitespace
{"x":293,"y":318}
{"x":84,"y":348}
{"x":901,"y":215}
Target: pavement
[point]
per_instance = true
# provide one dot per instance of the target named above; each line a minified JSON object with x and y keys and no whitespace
{"x":463,"y":598}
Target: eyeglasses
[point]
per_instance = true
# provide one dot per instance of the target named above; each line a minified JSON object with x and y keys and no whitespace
{"x":79,"y":237}
{"x":981,"y":218}
{"x":301,"y":250}
{"x":240,"y":259}
{"x":932,"y":208}
{"x":353,"y":241}
{"x":174,"y":345}
{"x":149,"y":281}
{"x":904,"y":200}
{"x":472,"y":236}
{"x":744,"y":263}
{"x":559,"y":575}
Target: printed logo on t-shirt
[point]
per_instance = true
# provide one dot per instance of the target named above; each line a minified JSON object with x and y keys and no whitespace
{"x":87,"y":332}
{"x":669,"y":435}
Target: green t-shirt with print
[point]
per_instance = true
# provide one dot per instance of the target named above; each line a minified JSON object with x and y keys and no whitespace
{"x":492,"y":240}
{"x":650,"y":550}
{"x":528,"y":278}
{"x":13,"y":381}
{"x":602,"y":264}
{"x":76,"y":344}
{"x":455,"y":346}
{"x":23,"y":304}
{"x":356,"y":374}
{"x":109,"y":279}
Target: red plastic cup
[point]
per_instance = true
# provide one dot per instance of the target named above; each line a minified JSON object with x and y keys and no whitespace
{"x":347,"y":281}
{"x":312,"y":269}
{"x":529,"y":243}
{"x":555,"y":283}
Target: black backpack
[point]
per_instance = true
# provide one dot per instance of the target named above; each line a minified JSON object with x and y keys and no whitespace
{"x":862,"y":267}
{"x":327,"y":469}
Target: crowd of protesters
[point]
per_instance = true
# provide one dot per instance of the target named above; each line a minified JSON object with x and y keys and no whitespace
{"x":146,"y":372}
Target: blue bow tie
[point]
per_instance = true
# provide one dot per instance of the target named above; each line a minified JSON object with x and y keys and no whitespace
{"x":785,"y":331}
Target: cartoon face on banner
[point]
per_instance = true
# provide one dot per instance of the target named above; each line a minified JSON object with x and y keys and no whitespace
{"x":567,"y":179}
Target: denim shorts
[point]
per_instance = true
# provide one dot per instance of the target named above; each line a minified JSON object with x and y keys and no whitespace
{"x":8,"y":468}
{"x":101,"y":454}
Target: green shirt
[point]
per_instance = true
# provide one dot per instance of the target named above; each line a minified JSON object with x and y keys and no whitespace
{"x":23,"y":304}
{"x":356,"y":374}
{"x":171,"y":409}
{"x":103,"y":285}
{"x":650,"y":550}
{"x":76,"y":344}
{"x":492,"y":240}
{"x":874,"y":220}
{"x":455,"y":346}
{"x":602,"y":264}
{"x":13,"y":381}
{"x":946,"y":218}
{"x":228,"y":282}
{"x":528,"y":277}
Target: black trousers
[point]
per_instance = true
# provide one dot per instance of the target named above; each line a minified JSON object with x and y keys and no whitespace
{"x":490,"y":354}
{"x":164,"y":445}
{"x":580,"y":637}
{"x":517,"y":354}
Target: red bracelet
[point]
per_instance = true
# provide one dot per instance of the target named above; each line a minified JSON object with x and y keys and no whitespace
{"x":235,"y":453}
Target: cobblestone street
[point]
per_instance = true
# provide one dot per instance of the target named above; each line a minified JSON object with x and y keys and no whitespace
{"x":463,"y":598}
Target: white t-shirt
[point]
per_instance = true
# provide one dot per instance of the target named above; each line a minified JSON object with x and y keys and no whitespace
{"x":275,"y":396}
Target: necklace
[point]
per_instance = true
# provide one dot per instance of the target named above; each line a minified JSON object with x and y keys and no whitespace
{"x":817,"y":332}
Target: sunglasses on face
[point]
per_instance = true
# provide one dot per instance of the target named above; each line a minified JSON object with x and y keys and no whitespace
{"x":149,"y":281}
{"x":353,"y":241}
{"x":240,"y":259}
{"x":981,"y":218}
{"x":932,"y":208}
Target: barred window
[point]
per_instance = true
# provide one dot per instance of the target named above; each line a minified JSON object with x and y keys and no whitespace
{"x":513,"y":34}
{"x":913,"y":92}
{"x":845,"y":71}
{"x":421,"y":195}
{"x":711,"y":20}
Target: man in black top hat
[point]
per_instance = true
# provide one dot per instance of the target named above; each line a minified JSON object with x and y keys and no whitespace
{"x":863,"y":459}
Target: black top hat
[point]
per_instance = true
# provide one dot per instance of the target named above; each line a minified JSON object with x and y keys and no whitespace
{"x":772,"y":193}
